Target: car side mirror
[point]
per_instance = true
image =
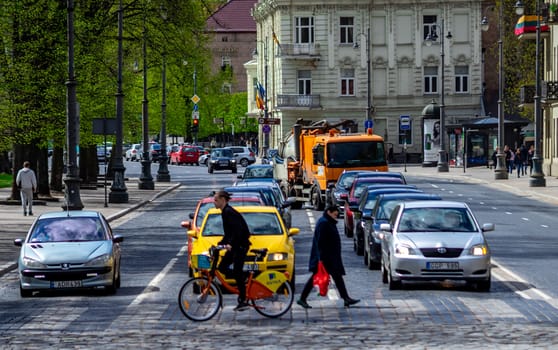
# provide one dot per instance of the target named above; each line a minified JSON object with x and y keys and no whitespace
{"x":344,"y":196}
{"x":18,"y":242}
{"x":385,"y":227}
{"x":186,"y":224}
{"x":487,"y":227}
{"x":193,"y":233}
{"x":293,"y":231}
{"x":118,"y":239}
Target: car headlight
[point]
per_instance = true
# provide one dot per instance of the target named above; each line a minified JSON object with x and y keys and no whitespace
{"x":277,"y":256}
{"x":479,"y":250}
{"x":32,"y":263}
{"x":403,"y":249}
{"x":103,"y":260}
{"x":233,"y":160}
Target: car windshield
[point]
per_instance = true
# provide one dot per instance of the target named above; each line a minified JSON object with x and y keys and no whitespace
{"x":222,"y":153}
{"x":436,"y":219}
{"x":258,"y":224}
{"x":258,"y":173}
{"x":346,"y":180}
{"x":67,"y":230}
{"x":355,"y":154}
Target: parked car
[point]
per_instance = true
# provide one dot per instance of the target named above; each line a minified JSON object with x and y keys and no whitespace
{"x":196,"y":217}
{"x":257,"y":172}
{"x":342,"y":186}
{"x":68,"y":250}
{"x":185,"y":155}
{"x":103,"y":154}
{"x":134,"y":153}
{"x":221,"y":159}
{"x":204,"y":159}
{"x":352,"y":198}
{"x":243,"y":155}
{"x":154,"y":151}
{"x":267,"y":230}
{"x":435,"y":240}
{"x":368,"y":241}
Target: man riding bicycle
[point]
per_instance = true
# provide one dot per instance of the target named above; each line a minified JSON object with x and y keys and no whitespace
{"x":236,"y":241}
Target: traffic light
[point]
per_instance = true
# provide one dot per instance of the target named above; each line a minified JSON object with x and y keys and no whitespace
{"x":195,"y":125}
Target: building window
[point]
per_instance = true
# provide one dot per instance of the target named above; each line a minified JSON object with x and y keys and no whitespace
{"x":226,"y":88}
{"x":429,"y":26}
{"x":304,"y":30}
{"x":304,"y":78}
{"x":346,"y":28}
{"x":224,"y":39}
{"x":430,"y":80}
{"x":225,"y":61}
{"x":406,"y":136}
{"x":462,"y":79}
{"x":347,"y":82}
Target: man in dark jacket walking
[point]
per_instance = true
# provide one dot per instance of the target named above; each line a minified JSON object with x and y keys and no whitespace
{"x":236,"y":240}
{"x":326,"y":246}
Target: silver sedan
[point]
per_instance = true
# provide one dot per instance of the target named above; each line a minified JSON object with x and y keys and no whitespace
{"x":435,"y":240}
{"x":67,"y":250}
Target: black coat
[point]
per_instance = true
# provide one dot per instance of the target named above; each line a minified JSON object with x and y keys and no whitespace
{"x":326,"y":246}
{"x":236,"y":230}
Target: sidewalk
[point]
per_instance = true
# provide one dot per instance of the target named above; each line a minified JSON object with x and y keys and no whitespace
{"x":14,"y":225}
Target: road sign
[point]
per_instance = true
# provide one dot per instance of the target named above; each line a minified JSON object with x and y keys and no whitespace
{"x":195,"y":99}
{"x":266,"y":129}
{"x":270,"y":121}
{"x":368,"y":124}
{"x":405,"y":122}
{"x":195,"y":115}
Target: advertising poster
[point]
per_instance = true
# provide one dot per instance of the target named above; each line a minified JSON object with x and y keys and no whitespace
{"x":431,"y":140}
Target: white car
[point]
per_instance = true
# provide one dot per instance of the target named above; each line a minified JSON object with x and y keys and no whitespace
{"x":435,"y":240}
{"x":134,"y":152}
{"x":203,"y":159}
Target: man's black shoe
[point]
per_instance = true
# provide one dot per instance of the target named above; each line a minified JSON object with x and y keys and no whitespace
{"x":242,"y":305}
{"x":303,"y":303}
{"x":349,"y":302}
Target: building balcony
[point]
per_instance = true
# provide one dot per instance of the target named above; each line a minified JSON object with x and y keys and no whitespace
{"x":309,"y":51}
{"x":298,"y":101}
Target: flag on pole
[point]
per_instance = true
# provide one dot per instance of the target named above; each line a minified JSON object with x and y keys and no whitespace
{"x":276,"y":40}
{"x":260,"y":96}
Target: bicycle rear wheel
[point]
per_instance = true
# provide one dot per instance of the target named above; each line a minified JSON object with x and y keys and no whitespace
{"x":276,"y":305}
{"x":197,"y":306}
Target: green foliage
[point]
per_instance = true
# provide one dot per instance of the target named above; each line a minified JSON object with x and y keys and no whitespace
{"x":5,"y":180}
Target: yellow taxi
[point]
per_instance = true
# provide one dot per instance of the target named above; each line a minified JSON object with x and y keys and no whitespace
{"x":267,"y":230}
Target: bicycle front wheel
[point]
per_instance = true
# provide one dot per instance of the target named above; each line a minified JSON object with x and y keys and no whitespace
{"x":199,"y":299}
{"x":277,"y":304}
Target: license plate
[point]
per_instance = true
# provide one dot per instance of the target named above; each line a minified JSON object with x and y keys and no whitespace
{"x":224,"y":163}
{"x":66,"y":284}
{"x":251,"y":267}
{"x":442,"y":265}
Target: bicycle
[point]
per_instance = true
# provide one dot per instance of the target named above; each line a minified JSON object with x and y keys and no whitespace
{"x":200,"y":298}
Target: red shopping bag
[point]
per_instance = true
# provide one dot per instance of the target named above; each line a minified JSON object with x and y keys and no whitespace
{"x":321,"y":279}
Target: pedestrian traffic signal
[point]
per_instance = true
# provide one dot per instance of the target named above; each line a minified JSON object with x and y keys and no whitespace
{"x":195,"y":125}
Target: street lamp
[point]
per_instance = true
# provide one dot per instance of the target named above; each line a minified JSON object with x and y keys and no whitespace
{"x":432,"y":36}
{"x":118,"y":191}
{"x":369,"y":107}
{"x":71,"y":179}
{"x":163,"y":172}
{"x":501,"y":171}
{"x":145,"y":180}
{"x":537,"y":176}
{"x":265,"y":126}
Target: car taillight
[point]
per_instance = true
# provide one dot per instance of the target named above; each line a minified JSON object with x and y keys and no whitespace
{"x":251,"y":154}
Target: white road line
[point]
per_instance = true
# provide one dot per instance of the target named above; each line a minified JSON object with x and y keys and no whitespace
{"x":525,"y":219}
{"x":505,"y":275}
{"x":509,"y":213}
{"x":158,"y":278}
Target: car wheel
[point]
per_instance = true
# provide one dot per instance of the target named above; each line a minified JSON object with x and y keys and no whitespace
{"x":234,"y":170}
{"x":25,"y":293}
{"x":393,"y":285}
{"x":483,"y":286}
{"x":197,"y":164}
{"x":117,"y":282}
{"x":244,"y":162}
{"x":359,"y":249}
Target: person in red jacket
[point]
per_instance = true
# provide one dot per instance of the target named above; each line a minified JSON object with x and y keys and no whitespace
{"x":236,"y":240}
{"x":326,"y":246}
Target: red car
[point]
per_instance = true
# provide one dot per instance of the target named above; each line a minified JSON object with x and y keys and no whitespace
{"x":185,"y":155}
{"x":203,"y":206}
{"x":352,"y":198}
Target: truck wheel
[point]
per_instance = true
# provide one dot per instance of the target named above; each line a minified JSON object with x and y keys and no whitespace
{"x":317,"y":202}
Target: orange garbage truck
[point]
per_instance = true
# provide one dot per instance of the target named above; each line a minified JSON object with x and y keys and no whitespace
{"x":314,"y":154}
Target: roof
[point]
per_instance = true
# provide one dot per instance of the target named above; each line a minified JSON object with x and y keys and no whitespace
{"x":234,"y":16}
{"x":70,"y":213}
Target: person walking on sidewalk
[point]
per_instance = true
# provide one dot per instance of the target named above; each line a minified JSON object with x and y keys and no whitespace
{"x":27,"y":184}
{"x":236,"y":241}
{"x":518,"y":161}
{"x":326,"y":246}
